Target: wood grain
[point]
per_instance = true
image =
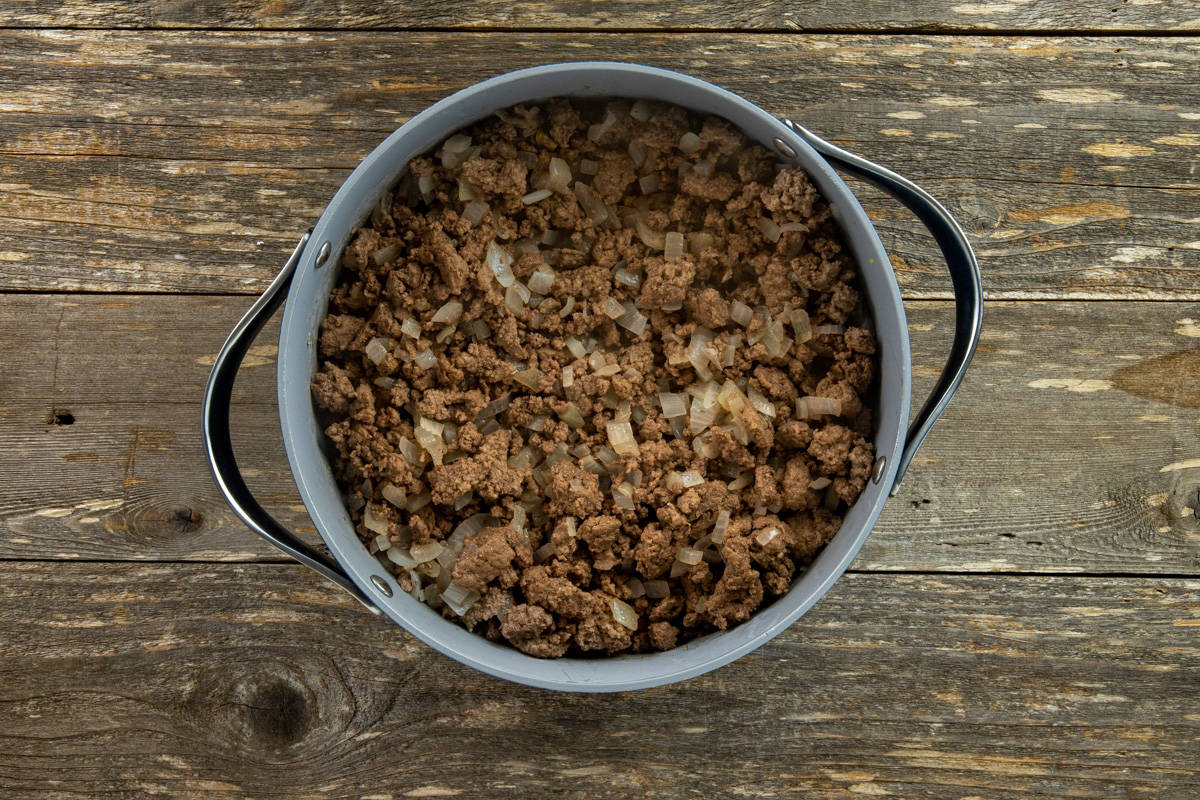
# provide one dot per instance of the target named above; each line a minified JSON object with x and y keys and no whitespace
{"x":924,"y":16}
{"x":264,"y":681}
{"x":1071,"y":447}
{"x":190,"y":161}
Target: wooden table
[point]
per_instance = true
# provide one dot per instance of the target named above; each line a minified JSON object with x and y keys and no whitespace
{"x":1024,"y":621}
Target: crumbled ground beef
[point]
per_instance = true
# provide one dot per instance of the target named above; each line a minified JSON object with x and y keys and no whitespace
{"x":469,"y":400}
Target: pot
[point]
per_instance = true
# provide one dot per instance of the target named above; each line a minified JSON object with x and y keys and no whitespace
{"x":311,"y":272}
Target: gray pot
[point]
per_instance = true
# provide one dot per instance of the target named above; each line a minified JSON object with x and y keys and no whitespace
{"x":312,"y":271}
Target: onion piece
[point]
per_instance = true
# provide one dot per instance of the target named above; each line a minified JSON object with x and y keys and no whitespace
{"x":450,"y":312}
{"x":622,"y":275}
{"x":516,"y":298}
{"x":559,"y":176}
{"x":636,"y":588}
{"x":701,"y":416}
{"x":607,"y":370}
{"x":576,"y":347}
{"x":812,"y":406}
{"x":475,"y":211}
{"x":624,"y":614}
{"x":592,"y":204}
{"x":698,"y":352}
{"x":417,"y":502}
{"x":458,"y":599}
{"x":373,"y":523}
{"x":656,"y":590}
{"x":673,"y":404}
{"x":673,"y":246}
{"x":394,"y":495}
{"x":620,"y":436}
{"x":567,"y":308}
{"x":759,"y":403}
{"x":698,"y":241}
{"x":535,"y":196}
{"x":377,"y":349}
{"x":800,"y":324}
{"x":649,"y":183}
{"x":531,"y":378}
{"x":611,"y":308}
{"x":500,"y":263}
{"x":741,"y":481}
{"x":568,"y":376}
{"x":653,"y":239}
{"x":571,"y":416}
{"x":766,"y":536}
{"x":541,"y":280}
{"x":704,"y":169}
{"x":422,"y":553}
{"x":494,"y":407}
{"x":769,"y":229}
{"x":410,"y":327}
{"x":822,"y":330}
{"x":819,"y":483}
{"x":718,"y":532}
{"x":641,"y":110}
{"x":689,"y":143}
{"x":594,"y":132}
{"x":689,"y":556}
{"x":425,"y":359}
{"x":740,"y":313}
{"x":425,"y":187}
{"x":631,"y":319}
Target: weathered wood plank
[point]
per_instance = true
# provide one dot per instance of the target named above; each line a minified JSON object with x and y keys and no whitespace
{"x":923,"y":16}
{"x":265,"y":681}
{"x":1070,"y":447}
{"x":156,"y":161}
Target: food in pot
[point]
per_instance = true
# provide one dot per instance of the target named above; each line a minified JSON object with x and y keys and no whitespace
{"x":597,"y":377}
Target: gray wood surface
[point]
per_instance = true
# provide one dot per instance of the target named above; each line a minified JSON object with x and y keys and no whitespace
{"x":190,"y":161}
{"x":1071,"y":447}
{"x":843,"y":15}
{"x":123,"y":680}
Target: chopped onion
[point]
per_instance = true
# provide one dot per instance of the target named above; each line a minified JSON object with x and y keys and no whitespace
{"x":516,"y":297}
{"x":690,"y":478}
{"x":475,"y":211}
{"x":576,"y":347}
{"x":718,"y":532}
{"x":731,"y":397}
{"x":421,"y":553}
{"x":622,"y":275}
{"x":741,"y":481}
{"x":836,"y":330}
{"x":800,"y":324}
{"x":465,"y":190}
{"x":377,"y":349}
{"x":704,"y":168}
{"x":425,"y":359}
{"x":417,"y":502}
{"x":789,"y":227}
{"x":458,"y":143}
{"x":531,"y":378}
{"x":641,"y":110}
{"x":600,"y":128}
{"x":766,"y":536}
{"x":543,"y":553}
{"x":653,"y":239}
{"x":559,"y":176}
{"x":592,"y":204}
{"x":410,"y":327}
{"x":500,"y":263}
{"x":769,"y":229}
{"x":620,"y":436}
{"x":394,"y":495}
{"x":679,"y":568}
{"x":656,"y":590}
{"x":759,"y":403}
{"x":373,"y":523}
{"x":623,"y":410}
{"x":430,"y":438}
{"x":673,"y":246}
{"x":631,"y":319}
{"x":636,"y":588}
{"x":607,"y":370}
{"x":525,"y":458}
{"x":535,"y":196}
{"x":811,"y":406}
{"x":588,"y":167}
{"x":701,"y":416}
{"x":622,"y":499}
{"x":689,"y":556}
{"x":819,"y":483}
{"x":731,"y":346}
{"x":571,"y":416}
{"x":425,"y":186}
{"x":385,"y":254}
{"x":409,"y":450}
{"x":568,"y":376}
{"x":698,"y":352}
{"x":740,"y":313}
{"x":593,"y":466}
{"x":624,"y":614}
{"x":458,"y":599}
{"x":541,"y":280}
{"x":698,"y":241}
{"x":649,"y":183}
{"x":673,"y":405}
{"x":773,"y":339}
{"x":464,"y":500}
{"x":494,"y":407}
{"x":689,"y":143}
{"x":450,"y":312}
{"x":611,"y":308}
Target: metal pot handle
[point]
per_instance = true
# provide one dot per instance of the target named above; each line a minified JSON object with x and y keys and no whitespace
{"x":964,"y":275}
{"x":218,"y":444}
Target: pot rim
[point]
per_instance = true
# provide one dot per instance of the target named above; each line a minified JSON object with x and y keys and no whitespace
{"x":305,"y":308}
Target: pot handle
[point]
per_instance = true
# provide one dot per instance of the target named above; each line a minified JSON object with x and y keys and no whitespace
{"x":218,"y":444}
{"x":964,"y":275}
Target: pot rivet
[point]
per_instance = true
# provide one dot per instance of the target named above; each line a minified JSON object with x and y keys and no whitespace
{"x":323,"y":254}
{"x":785,"y":149}
{"x":877,"y":471}
{"x":381,"y":585}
